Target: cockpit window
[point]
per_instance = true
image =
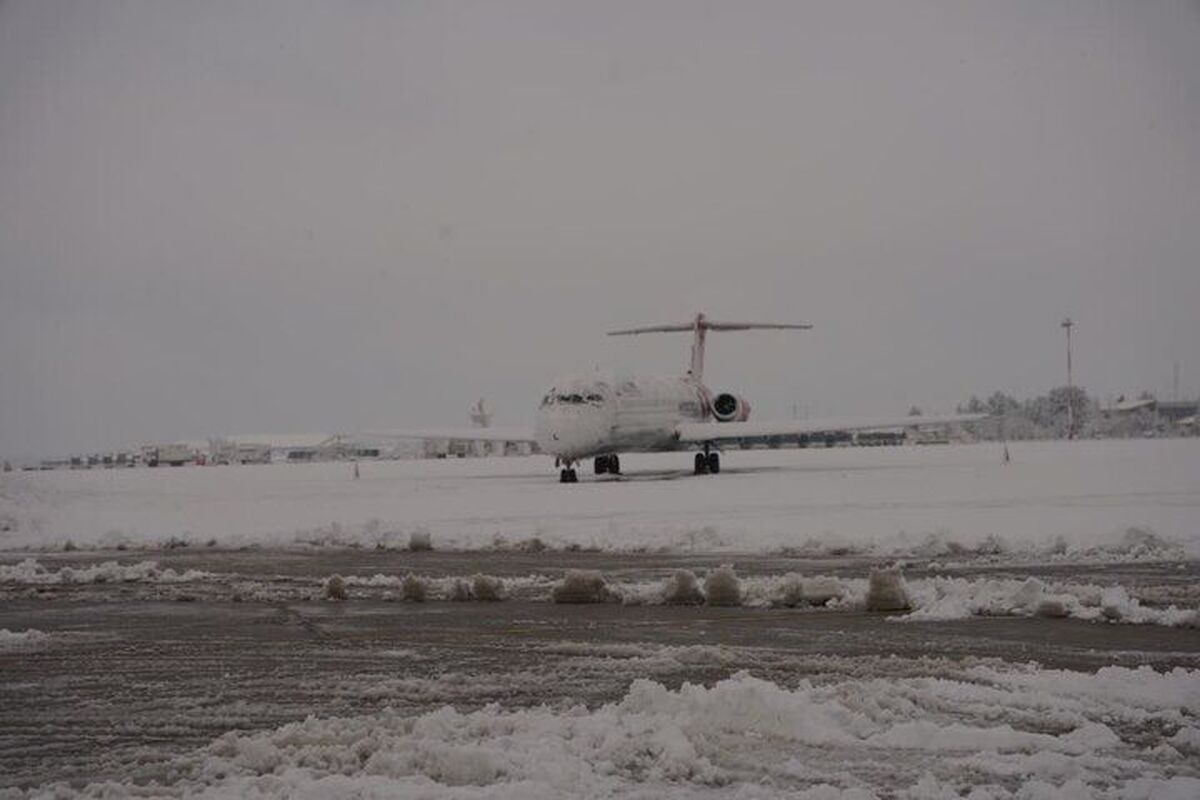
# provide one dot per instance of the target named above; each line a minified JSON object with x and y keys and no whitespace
{"x":573,"y":399}
{"x":576,"y":398}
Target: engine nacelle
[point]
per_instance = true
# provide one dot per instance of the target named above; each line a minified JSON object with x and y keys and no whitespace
{"x":728,"y":407}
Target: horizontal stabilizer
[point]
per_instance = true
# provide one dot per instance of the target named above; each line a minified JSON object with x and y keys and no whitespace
{"x":653,"y":329}
{"x":699,"y":327}
{"x":712,"y":325}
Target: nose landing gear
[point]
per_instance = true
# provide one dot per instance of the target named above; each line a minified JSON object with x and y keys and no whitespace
{"x":708,"y":462}
{"x":568,"y":475}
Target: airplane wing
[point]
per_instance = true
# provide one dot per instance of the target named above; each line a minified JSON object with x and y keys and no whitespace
{"x":713,"y":432}
{"x":463,"y":434}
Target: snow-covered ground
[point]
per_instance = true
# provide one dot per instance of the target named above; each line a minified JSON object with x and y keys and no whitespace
{"x":1032,"y":591}
{"x":1106,"y":499}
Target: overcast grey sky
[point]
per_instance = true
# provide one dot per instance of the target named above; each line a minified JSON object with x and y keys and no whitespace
{"x":244,"y":217}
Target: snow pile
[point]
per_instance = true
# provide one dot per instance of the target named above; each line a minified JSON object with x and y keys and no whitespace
{"x":479,"y":587}
{"x":1187,"y":741}
{"x":722,"y":588}
{"x":999,"y":733}
{"x":790,"y":592}
{"x":334,"y":588}
{"x":22,"y":640}
{"x":794,"y":591}
{"x":581,"y":586}
{"x":487,"y":589}
{"x":32,"y":573}
{"x":412,"y":589}
{"x":682,"y":589}
{"x":460,"y":591}
{"x":887,"y":591}
{"x":1054,"y":606}
{"x":1135,"y":544}
{"x":928,"y":599}
{"x":376,"y":581}
{"x":821,"y":590}
{"x":959,"y":598}
{"x":938,"y":598}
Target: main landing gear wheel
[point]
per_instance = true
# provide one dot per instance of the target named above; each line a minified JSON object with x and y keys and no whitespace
{"x":607,"y":464}
{"x":568,"y":476}
{"x":701,"y":464}
{"x":714,"y":463}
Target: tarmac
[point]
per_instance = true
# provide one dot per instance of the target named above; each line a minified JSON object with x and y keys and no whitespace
{"x":137,"y":675}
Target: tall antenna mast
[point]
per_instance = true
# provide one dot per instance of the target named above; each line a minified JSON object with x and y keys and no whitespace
{"x":1068,"y":324}
{"x":699,"y":326}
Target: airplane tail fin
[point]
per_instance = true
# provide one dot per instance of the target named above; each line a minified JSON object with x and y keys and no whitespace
{"x":699,"y":327}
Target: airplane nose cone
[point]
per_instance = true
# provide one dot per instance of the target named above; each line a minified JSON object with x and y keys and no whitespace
{"x":570,"y":432}
{"x":547,"y":433}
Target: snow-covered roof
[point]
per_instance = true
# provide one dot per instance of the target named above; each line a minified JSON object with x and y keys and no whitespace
{"x":194,"y":444}
{"x":283,"y":441}
{"x":1132,"y":405}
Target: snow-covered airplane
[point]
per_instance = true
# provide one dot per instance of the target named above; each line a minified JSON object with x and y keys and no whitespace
{"x":599,"y":417}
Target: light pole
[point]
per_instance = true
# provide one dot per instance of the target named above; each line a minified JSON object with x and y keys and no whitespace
{"x":1067,"y":324}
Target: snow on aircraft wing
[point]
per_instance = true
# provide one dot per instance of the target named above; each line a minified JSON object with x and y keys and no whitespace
{"x":464,"y":434}
{"x":700,"y":432}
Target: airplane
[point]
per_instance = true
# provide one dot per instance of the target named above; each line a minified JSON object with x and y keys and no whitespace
{"x":599,"y":417}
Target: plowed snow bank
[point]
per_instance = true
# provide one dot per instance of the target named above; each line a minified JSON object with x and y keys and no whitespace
{"x":1019,"y":733}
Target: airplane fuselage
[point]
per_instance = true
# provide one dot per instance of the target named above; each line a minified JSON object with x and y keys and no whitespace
{"x":587,"y":417}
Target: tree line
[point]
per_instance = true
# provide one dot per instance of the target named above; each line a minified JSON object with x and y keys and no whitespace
{"x":1052,"y":415}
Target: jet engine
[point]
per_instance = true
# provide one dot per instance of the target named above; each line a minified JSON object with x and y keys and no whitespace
{"x":728,"y":407}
